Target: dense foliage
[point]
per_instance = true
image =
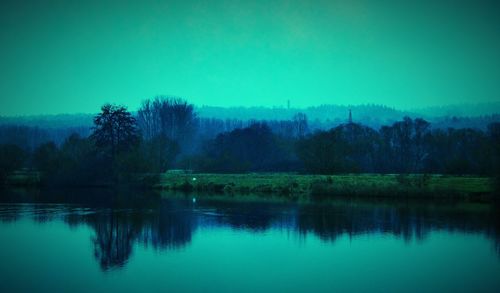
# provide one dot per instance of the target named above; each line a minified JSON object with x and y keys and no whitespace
{"x":408,"y":146}
{"x":166,"y":134}
{"x":12,"y":158}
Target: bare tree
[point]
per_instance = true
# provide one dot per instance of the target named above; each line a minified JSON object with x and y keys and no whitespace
{"x":300,"y":124}
{"x":170,"y":117}
{"x":148,"y":120}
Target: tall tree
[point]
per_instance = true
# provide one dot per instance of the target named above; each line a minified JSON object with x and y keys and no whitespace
{"x":170,"y":117}
{"x":301,"y":126}
{"x":168,"y":126}
{"x":114,"y":130}
{"x":254,"y":148}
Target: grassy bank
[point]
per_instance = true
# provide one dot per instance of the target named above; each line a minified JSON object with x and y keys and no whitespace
{"x":319,"y":186}
{"x":359,"y":185}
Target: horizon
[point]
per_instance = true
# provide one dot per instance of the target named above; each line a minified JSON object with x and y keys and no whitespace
{"x":284,"y":107}
{"x":73,"y":57}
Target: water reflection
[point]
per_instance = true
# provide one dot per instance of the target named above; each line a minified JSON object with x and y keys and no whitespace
{"x":115,"y":234}
{"x":120,"y":220}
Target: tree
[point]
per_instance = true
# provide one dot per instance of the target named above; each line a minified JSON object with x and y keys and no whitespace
{"x":494,"y":141}
{"x":300,"y":124}
{"x":168,"y":126}
{"x":80,"y":163}
{"x":159,"y":153}
{"x":114,"y":130}
{"x":11,"y":158}
{"x":47,"y":160}
{"x":345,"y":148}
{"x":403,"y":145}
{"x":319,"y":153}
{"x":170,"y":117}
{"x":148,"y":119}
{"x":254,"y":148}
{"x":421,"y":130}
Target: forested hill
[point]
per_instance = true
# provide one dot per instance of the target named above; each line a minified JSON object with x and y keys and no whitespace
{"x":50,"y":121}
{"x":373,"y":115}
{"x":327,"y":116}
{"x":322,"y":117}
{"x":460,"y":110}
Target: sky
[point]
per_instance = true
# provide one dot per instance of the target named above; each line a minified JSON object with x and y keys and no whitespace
{"x":73,"y":56}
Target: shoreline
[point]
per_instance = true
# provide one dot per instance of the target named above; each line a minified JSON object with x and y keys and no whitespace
{"x":332,"y":186}
{"x":291,"y":185}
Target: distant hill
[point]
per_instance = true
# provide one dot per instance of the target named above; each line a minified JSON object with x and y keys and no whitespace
{"x":368,"y":113}
{"x":326,"y":116}
{"x":461,"y":110}
{"x":50,"y":121}
{"x":323,"y":116}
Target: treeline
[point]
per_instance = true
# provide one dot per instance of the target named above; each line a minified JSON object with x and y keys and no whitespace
{"x":30,"y":137}
{"x":408,"y":146}
{"x":322,"y":117}
{"x":165,"y":134}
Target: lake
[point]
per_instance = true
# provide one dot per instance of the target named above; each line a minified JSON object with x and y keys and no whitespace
{"x":122,"y":241}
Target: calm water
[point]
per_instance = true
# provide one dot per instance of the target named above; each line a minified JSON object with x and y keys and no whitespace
{"x":96,"y":241}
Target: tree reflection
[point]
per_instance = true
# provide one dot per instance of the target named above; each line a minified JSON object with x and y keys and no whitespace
{"x":121,"y":222}
{"x":170,"y":226}
{"x":408,"y":221}
{"x":114,"y":237}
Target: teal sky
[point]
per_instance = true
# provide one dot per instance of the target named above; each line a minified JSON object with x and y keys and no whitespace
{"x":72,"y":56}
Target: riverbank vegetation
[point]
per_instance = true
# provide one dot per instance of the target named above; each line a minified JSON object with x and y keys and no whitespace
{"x":139,"y":148}
{"x":325,"y":186}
